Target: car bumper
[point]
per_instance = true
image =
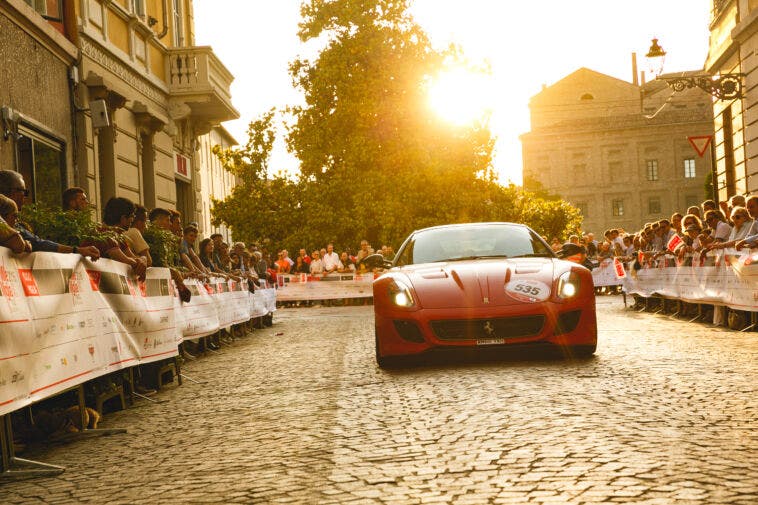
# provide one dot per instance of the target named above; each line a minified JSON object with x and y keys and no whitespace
{"x":569,"y":324}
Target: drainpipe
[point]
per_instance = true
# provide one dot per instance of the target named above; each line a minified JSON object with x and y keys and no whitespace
{"x":165,"y":20}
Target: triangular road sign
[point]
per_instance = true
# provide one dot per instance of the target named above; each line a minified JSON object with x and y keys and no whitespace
{"x":700,"y":143}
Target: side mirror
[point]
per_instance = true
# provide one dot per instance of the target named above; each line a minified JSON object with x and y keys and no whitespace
{"x":375,"y":261}
{"x":569,"y":250}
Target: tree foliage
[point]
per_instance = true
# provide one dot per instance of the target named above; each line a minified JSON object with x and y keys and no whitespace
{"x":375,"y":162}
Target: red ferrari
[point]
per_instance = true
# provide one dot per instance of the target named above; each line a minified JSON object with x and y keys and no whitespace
{"x":481,"y":285}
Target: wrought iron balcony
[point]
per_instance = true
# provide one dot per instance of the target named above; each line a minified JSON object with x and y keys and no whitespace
{"x":199,"y":79}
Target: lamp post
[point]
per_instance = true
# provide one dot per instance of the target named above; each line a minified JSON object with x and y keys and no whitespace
{"x":721,"y":86}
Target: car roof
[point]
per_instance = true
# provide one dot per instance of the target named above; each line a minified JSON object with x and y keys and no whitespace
{"x":466,"y":225}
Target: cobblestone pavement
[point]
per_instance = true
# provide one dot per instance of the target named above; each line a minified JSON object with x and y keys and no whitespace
{"x":299,"y":413}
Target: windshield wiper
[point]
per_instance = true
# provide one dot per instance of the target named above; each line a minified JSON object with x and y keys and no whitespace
{"x":476,"y":257}
{"x":534,"y":255}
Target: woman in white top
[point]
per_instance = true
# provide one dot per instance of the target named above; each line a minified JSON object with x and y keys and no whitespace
{"x":317,"y":266}
{"x":743,"y":225}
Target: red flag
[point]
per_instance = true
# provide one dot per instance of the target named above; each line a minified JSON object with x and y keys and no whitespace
{"x":674,"y":242}
{"x":619,"y":267}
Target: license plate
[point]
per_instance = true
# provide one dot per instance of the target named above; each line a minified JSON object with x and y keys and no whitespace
{"x":489,"y":341}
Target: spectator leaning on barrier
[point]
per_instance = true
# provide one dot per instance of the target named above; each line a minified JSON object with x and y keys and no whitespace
{"x":189,"y":258}
{"x":206,"y":255}
{"x":676,"y":223}
{"x":720,"y":229}
{"x":708,"y":205}
{"x":301,"y":267}
{"x":331,"y":260}
{"x":134,"y":238}
{"x":282,"y":265}
{"x":13,"y":186}
{"x":347,"y":264}
{"x":260,"y":265}
{"x":176,"y":223}
{"x":743,"y":226}
{"x":751,"y":204}
{"x":316,"y":266}
{"x":9,"y":236}
{"x":304,"y":254}
{"x":286,"y":256}
{"x":217,"y":239}
{"x":75,"y":198}
{"x":118,"y":214}
{"x":734,"y":201}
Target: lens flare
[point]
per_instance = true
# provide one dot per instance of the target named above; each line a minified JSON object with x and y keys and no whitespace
{"x":461,"y":96}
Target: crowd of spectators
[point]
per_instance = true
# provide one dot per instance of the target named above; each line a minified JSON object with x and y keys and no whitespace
{"x":731,"y":225}
{"x":326,"y":261}
{"x":131,"y":234}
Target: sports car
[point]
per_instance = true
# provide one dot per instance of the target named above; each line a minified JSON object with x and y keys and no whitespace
{"x":481,"y":286}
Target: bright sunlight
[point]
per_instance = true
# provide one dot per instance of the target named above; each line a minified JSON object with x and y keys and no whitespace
{"x":461,"y":96}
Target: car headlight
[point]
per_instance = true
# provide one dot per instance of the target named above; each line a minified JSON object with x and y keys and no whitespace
{"x":400,"y":294}
{"x":568,"y":285}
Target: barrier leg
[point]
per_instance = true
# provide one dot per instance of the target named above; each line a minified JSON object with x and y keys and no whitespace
{"x":644,"y":305}
{"x":187,"y":377}
{"x":19,"y":468}
{"x":699,"y":313}
{"x":678,"y":305}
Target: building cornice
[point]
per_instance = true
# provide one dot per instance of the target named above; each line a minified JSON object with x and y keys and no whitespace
{"x":30,"y":21}
{"x":746,"y":28}
{"x":150,"y":87}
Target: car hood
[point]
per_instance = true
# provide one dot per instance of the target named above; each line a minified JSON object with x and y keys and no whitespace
{"x":479,"y":283}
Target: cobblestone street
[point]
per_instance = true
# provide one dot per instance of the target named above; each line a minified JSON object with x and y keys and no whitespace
{"x":666,"y":412}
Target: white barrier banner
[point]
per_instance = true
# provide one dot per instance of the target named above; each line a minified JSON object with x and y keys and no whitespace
{"x":326,"y":287}
{"x":728,"y":278}
{"x":65,"y":320}
{"x":605,"y":275}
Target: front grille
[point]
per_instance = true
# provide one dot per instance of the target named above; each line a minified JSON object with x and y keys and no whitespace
{"x":504,"y":327}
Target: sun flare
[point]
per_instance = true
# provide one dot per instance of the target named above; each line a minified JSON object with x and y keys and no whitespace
{"x":461,"y":96}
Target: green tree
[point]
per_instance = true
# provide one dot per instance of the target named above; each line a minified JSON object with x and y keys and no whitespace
{"x":375,"y":162}
{"x":262,"y":207}
{"x":383,"y":163}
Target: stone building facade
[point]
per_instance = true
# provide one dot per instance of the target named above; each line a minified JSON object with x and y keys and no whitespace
{"x":733,"y":49}
{"x":132,"y":61}
{"x":36,"y":134}
{"x":616,"y":150}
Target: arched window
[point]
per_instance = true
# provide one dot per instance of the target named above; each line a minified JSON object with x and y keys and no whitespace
{"x":587,"y":96}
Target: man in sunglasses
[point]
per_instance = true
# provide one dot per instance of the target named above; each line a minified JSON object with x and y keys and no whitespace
{"x":13,"y":186}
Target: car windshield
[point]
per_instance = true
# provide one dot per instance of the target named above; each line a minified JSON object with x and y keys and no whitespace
{"x":458,"y":243}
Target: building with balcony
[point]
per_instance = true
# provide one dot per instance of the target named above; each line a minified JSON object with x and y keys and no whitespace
{"x":217,"y":182}
{"x":733,"y":49}
{"x":36,"y":134}
{"x":162,"y":93}
{"x":112,"y":96}
{"x":618,"y":151}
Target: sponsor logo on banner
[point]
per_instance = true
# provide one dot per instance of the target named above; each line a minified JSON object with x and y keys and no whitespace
{"x":28,"y":282}
{"x":674,"y":242}
{"x":619,"y":268}
{"x":5,"y":285}
{"x":94,"y":279}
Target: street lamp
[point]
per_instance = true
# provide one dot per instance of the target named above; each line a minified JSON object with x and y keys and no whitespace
{"x":722,"y":86}
{"x":655,"y":58}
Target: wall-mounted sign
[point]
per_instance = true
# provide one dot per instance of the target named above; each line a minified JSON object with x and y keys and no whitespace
{"x":182,"y":167}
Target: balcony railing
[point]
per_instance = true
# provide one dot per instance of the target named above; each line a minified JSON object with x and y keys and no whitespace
{"x":199,"y":78}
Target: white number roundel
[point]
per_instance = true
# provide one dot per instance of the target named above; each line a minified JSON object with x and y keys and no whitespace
{"x":527,"y":290}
